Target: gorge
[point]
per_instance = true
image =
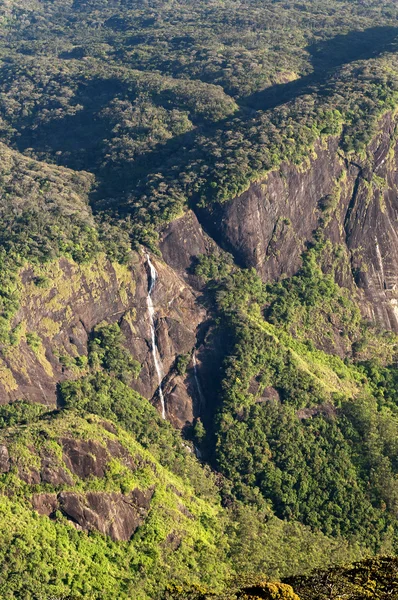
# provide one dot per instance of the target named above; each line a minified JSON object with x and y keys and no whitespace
{"x":199,"y":299}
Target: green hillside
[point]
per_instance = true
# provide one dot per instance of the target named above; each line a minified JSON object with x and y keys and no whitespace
{"x":198,"y":207}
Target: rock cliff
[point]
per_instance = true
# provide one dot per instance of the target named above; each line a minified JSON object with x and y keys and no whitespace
{"x":63,"y":302}
{"x":353,"y":201}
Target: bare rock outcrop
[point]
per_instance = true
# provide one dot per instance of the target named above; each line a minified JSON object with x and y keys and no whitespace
{"x":5,"y":463}
{"x":45,"y":504}
{"x":113,"y":514}
{"x":268,"y":226}
{"x":75,"y":299}
{"x":84,"y":458}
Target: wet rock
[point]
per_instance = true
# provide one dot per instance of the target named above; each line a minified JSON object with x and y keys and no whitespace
{"x":79,"y":301}
{"x":177,"y":317}
{"x":266,"y":227}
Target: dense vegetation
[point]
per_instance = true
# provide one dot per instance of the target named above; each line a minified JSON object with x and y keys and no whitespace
{"x":287,"y":425}
{"x":375,"y":578}
{"x":44,"y":557}
{"x":115,"y":117}
{"x":167,"y":108}
{"x":159,"y":104}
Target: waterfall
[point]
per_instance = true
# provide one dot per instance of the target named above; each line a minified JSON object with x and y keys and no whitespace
{"x":197,"y":382}
{"x":155,"y":352}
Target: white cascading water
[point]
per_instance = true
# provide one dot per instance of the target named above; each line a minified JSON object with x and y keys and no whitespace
{"x":155,"y":352}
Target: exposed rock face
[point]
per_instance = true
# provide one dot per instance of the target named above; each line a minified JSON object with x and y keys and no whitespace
{"x":77,"y":459}
{"x":85,"y":458}
{"x":371,"y":228}
{"x":5,"y":464}
{"x":62,"y":314}
{"x":70,"y":461}
{"x":112,"y":514}
{"x":116,"y":450}
{"x":177,"y":316}
{"x":45,"y":504}
{"x":53,"y":473}
{"x":76,"y":299}
{"x":29,"y":476}
{"x":267,"y":226}
{"x":182,"y":241}
{"x":180,"y":401}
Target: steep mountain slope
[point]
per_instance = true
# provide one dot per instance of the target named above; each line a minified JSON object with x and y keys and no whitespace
{"x":104,"y":499}
{"x":198,"y":222}
{"x":352,"y":199}
{"x":84,"y":474}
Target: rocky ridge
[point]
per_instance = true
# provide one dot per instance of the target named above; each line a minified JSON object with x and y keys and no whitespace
{"x":353,"y":201}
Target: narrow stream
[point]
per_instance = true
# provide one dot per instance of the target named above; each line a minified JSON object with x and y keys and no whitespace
{"x":155,"y":352}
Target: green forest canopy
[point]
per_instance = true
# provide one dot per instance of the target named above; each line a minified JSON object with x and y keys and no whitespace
{"x":114,"y":118}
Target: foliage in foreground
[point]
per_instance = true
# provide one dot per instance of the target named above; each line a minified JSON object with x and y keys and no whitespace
{"x":373,"y":579}
{"x":43,"y":557}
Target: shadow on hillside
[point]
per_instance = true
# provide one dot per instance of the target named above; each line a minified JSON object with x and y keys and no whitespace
{"x":326,"y":57}
{"x":78,"y":140}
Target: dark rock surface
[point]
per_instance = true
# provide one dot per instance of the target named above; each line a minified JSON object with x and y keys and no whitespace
{"x":180,"y":401}
{"x":76,"y":301}
{"x":29,"y":476}
{"x":116,"y":450}
{"x":112,"y":514}
{"x":81,"y":458}
{"x":45,"y":504}
{"x":53,"y":473}
{"x":173,"y":540}
{"x":182,"y":241}
{"x":85,"y":458}
{"x":268,"y":226}
{"x":371,"y":229}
